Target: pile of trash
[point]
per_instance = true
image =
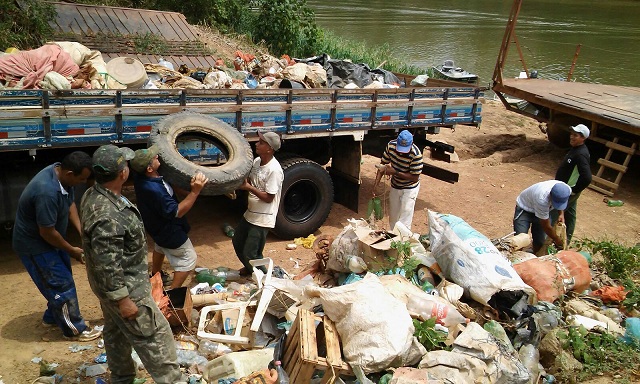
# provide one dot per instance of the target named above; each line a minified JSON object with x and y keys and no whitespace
{"x":352,"y":316}
{"x":71,"y":65}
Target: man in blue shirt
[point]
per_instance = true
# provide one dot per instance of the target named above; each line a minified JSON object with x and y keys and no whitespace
{"x":44,"y":210}
{"x":163,"y":215}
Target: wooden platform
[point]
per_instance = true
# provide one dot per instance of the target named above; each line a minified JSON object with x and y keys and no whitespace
{"x":609,"y":105}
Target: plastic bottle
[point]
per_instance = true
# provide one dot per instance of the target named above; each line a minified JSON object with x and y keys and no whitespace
{"x":206,"y":277}
{"x":530,"y":358}
{"x":613,"y":203}
{"x":445,"y":314}
{"x":228,"y":229}
{"x":165,"y":63}
{"x":227,"y":275}
{"x":283,"y":377}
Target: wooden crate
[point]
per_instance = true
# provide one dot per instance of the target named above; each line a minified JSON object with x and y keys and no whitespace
{"x":305,"y":346}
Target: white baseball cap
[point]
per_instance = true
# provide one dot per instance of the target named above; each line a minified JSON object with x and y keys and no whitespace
{"x":582,"y":129}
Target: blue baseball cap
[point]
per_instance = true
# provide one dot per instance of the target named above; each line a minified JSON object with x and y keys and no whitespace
{"x":560,"y":196}
{"x":404,"y":142}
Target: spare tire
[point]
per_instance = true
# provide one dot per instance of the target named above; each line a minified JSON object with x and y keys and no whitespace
{"x":224,"y":178}
{"x":307,"y":196}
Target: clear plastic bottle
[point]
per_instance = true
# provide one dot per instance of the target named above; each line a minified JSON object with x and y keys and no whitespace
{"x":445,"y":314}
{"x":530,"y":358}
{"x":229,"y":275}
{"x":283,"y":377}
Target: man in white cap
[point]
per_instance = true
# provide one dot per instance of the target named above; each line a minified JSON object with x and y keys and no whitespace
{"x":402,"y":161}
{"x":532,"y":210}
{"x":576,"y":172}
{"x":264,"y":185}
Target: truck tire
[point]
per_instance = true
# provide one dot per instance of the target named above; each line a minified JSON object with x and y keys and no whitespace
{"x":307,"y":196}
{"x":176,"y":169}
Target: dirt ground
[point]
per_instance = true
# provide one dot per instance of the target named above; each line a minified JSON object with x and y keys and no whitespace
{"x":507,"y":154}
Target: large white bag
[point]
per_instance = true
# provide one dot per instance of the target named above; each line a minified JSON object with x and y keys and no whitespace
{"x":375,"y":328}
{"x":469,"y":259}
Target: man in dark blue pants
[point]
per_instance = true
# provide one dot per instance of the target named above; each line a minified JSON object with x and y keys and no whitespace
{"x":45,"y":208}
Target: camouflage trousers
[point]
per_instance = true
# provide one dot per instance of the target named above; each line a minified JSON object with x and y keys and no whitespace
{"x":149,"y":334}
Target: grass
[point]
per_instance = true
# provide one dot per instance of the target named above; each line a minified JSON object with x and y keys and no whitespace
{"x":620,"y":262}
{"x":358,"y":52}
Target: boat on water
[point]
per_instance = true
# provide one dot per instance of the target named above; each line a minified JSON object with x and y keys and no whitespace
{"x":449,"y":71}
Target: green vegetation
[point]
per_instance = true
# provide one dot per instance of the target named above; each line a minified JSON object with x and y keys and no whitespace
{"x":24,"y":24}
{"x":428,"y":336}
{"x":599,"y":353}
{"x":617,"y":260}
{"x":149,"y":43}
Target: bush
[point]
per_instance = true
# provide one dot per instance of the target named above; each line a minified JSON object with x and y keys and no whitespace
{"x":24,"y":24}
{"x":619,"y":261}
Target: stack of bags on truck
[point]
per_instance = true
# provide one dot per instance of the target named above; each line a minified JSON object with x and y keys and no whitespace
{"x":71,"y":65}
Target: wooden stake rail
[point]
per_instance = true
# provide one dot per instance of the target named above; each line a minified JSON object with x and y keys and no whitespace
{"x":302,"y":348}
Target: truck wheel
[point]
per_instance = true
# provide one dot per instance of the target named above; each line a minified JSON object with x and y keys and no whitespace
{"x":307,"y":196}
{"x":223,"y":178}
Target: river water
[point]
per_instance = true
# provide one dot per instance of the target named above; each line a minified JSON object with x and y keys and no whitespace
{"x":424,"y":33}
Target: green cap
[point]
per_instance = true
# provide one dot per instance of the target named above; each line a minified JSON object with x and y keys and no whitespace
{"x":109,"y":159}
{"x":143,"y":158}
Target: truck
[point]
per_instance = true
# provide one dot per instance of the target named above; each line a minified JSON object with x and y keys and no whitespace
{"x":325,"y":132}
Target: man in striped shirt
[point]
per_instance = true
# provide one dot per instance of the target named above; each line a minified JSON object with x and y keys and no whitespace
{"x":402,"y":161}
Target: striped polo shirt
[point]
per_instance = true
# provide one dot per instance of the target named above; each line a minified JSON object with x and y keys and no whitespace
{"x":410,"y":162}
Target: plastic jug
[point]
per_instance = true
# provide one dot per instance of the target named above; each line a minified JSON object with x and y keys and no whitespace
{"x":237,"y":364}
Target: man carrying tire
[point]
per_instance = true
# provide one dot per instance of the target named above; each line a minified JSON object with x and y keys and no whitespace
{"x":402,"y":160}
{"x":163,"y":215}
{"x":264,"y":185}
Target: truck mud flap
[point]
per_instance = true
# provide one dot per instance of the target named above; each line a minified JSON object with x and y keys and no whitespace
{"x":345,"y":171}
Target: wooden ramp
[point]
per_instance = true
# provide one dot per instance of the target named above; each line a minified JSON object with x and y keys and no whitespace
{"x":609,"y":105}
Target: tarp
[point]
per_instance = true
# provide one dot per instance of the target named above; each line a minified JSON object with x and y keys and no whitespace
{"x":33,"y":65}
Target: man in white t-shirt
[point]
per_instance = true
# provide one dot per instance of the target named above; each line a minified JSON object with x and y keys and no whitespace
{"x":532,"y":210}
{"x":264,"y":186}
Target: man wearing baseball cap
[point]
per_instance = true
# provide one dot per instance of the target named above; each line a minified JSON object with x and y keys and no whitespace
{"x":532,"y":210}
{"x":264,"y":185}
{"x":402,"y":161}
{"x":576,"y":172}
{"x":115,"y":248}
{"x":163,"y":216}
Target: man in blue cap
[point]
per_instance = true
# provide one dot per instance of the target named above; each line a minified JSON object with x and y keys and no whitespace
{"x":532,"y":210}
{"x":402,"y":161}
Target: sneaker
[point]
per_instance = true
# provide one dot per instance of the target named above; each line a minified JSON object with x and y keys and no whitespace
{"x":49,"y":325}
{"x":86,"y":335}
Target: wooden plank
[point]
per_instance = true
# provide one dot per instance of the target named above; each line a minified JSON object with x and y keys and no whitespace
{"x":621,"y":148}
{"x":601,"y":190}
{"x":612,"y":165}
{"x":606,"y":183}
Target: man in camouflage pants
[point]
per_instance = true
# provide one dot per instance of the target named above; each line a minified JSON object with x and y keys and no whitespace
{"x":115,"y":249}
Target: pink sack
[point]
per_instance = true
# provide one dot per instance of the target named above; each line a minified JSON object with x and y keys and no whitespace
{"x":34,"y":64}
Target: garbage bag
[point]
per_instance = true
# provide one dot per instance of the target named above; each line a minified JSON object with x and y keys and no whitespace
{"x":469,"y":259}
{"x":375,"y":328}
{"x":476,"y":354}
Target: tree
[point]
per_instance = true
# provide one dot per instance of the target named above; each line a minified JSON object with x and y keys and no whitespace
{"x":24,"y":23}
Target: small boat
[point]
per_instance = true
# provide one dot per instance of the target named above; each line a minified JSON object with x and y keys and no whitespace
{"x":449,"y":71}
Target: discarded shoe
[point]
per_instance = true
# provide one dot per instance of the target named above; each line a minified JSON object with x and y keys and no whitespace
{"x":86,"y":335}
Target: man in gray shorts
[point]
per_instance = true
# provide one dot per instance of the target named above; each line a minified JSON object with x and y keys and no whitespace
{"x":163,"y":215}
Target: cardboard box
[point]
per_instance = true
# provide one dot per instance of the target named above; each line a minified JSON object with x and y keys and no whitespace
{"x":375,"y":249}
{"x":180,"y":306}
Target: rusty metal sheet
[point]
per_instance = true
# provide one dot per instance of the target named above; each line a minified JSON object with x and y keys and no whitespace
{"x":80,"y":19}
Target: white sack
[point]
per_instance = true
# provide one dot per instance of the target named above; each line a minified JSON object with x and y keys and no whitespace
{"x":375,"y":328}
{"x":469,"y":259}
{"x":344,"y":250}
{"x":476,"y":357}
